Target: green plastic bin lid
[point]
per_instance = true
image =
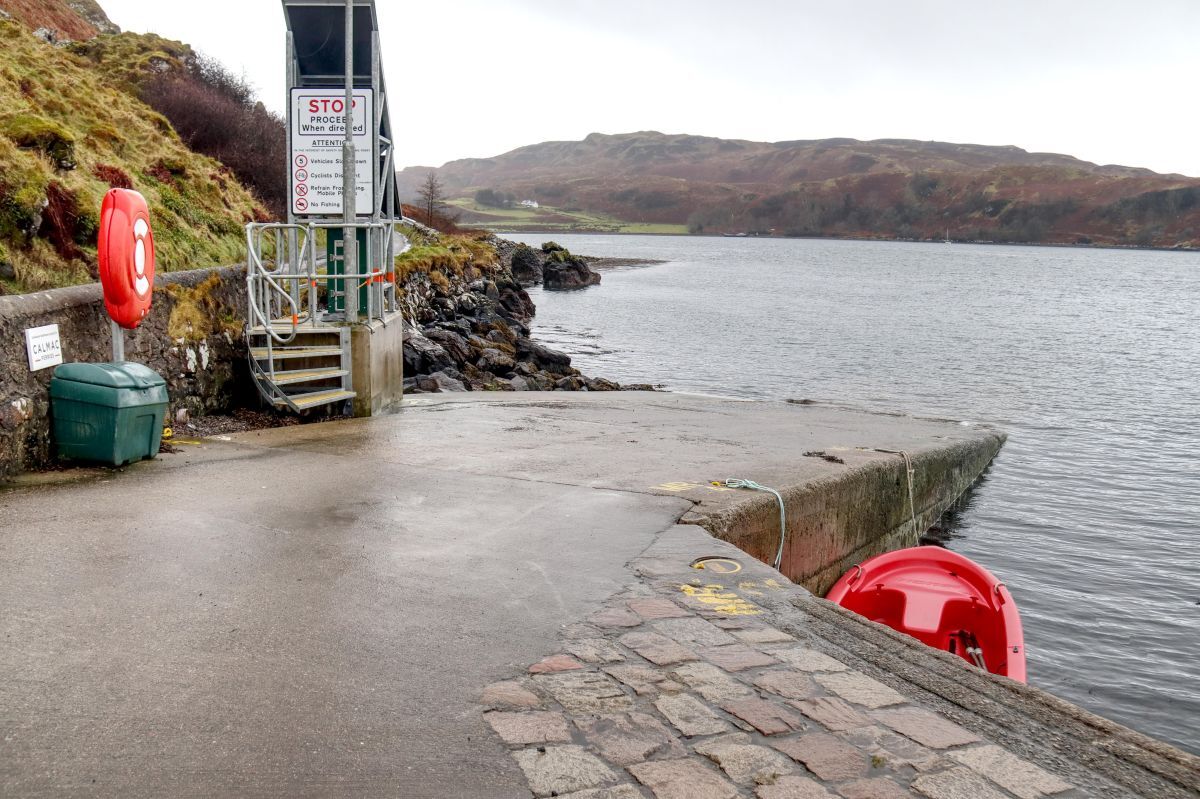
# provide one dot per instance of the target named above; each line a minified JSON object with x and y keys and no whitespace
{"x":110,"y":375}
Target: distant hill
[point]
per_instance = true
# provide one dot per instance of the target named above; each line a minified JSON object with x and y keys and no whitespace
{"x":890,"y":188}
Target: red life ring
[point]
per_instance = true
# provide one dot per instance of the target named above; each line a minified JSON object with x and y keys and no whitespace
{"x":126,"y":251}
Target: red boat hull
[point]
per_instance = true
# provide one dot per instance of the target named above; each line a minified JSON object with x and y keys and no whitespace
{"x":942,"y":599}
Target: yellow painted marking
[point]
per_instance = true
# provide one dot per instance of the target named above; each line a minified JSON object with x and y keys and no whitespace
{"x":719,"y":565}
{"x":677,"y":486}
{"x":772,"y":583}
{"x":750,"y":587}
{"x":721,"y":600}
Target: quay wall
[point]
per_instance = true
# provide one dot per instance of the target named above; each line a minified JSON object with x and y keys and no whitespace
{"x":843,"y":519}
{"x":192,"y":337}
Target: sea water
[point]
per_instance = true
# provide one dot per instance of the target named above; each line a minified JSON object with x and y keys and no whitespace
{"x":1089,"y":359}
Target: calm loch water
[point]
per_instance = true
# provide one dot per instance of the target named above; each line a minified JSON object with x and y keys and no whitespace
{"x":1089,"y":359}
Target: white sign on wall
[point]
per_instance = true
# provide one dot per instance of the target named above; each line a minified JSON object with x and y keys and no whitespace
{"x":43,"y":346}
{"x":318,"y":131}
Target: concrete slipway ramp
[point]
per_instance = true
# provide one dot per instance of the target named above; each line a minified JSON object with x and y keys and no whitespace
{"x":491,"y":596}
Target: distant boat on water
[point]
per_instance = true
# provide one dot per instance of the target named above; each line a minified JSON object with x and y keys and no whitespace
{"x":947,"y":239}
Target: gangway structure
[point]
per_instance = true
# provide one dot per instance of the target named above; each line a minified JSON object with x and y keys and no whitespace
{"x":316,"y":307}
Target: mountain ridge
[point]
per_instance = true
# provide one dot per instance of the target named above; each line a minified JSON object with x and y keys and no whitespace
{"x":890,"y":188}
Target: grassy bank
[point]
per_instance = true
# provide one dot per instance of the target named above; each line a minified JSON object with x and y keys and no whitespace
{"x":71,"y":128}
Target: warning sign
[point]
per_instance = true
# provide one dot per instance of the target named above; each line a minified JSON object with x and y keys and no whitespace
{"x":318,"y":131}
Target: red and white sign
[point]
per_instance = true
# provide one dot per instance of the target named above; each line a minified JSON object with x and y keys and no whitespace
{"x":318,"y":131}
{"x":126,"y":252}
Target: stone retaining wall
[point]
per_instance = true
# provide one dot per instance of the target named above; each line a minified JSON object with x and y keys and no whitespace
{"x":192,"y":337}
{"x":834,"y":523}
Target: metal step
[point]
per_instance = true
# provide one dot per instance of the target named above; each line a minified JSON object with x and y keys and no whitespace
{"x":277,"y":353}
{"x":313,"y":399}
{"x":307,"y":375}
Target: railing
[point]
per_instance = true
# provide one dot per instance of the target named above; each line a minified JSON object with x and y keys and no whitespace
{"x":283,"y":274}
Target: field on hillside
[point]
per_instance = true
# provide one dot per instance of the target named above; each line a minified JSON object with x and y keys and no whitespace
{"x":549,"y":218}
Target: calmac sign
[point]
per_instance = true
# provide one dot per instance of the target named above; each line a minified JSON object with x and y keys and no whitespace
{"x":318,"y":132}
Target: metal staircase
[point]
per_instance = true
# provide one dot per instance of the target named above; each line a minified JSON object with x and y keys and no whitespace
{"x":315,"y":282}
{"x":298,"y":338}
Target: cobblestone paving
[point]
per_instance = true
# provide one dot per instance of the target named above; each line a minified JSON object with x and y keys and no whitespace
{"x":684,"y":697}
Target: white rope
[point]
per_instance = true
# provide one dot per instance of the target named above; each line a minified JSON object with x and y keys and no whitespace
{"x":750,"y":484}
{"x":909,"y":471}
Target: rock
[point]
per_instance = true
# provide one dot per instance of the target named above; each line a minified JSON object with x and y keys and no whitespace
{"x":453,"y":344}
{"x":526,"y":266}
{"x":423,"y":356}
{"x":519,"y":384}
{"x":496,"y":362}
{"x":541,"y":381}
{"x":600,"y":384}
{"x":567,"y":275}
{"x":550,"y":360}
{"x":505,"y":335}
{"x":460,"y":326}
{"x":517,"y":303}
{"x":570,"y":384}
{"x":439,"y":382}
{"x":467,"y":304}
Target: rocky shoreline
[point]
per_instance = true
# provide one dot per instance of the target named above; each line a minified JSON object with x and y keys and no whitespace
{"x":472,"y":333}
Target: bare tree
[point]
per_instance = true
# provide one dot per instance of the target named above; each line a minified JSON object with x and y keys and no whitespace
{"x":432,"y":196}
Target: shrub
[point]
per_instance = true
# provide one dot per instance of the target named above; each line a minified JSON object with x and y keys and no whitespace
{"x":215,"y":114}
{"x":552,"y":246}
{"x":114,"y":176}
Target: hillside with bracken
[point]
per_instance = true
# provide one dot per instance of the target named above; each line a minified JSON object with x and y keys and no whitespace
{"x":889,"y":188}
{"x":87,"y":108}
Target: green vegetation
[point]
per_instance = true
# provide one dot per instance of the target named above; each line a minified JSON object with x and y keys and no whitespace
{"x":453,"y":255}
{"x":72,"y":130}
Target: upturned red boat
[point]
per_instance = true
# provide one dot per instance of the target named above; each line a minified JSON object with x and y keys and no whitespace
{"x":942,"y":599}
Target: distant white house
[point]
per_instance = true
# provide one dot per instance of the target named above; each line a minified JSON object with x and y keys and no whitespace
{"x":529,"y":204}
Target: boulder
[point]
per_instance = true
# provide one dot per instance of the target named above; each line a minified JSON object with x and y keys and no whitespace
{"x":526,"y":266}
{"x":467,"y":304}
{"x":550,"y":360}
{"x":496,"y":362}
{"x":570,"y":384}
{"x":575,"y":274}
{"x":423,"y":356}
{"x":519,"y":383}
{"x":601,"y":384}
{"x":439,"y":382}
{"x":460,"y":326}
{"x":452,"y":343}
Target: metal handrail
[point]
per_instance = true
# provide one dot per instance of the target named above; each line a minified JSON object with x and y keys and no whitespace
{"x":266,"y":283}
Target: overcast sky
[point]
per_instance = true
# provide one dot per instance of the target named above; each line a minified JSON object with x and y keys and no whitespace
{"x":1111,"y":81}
